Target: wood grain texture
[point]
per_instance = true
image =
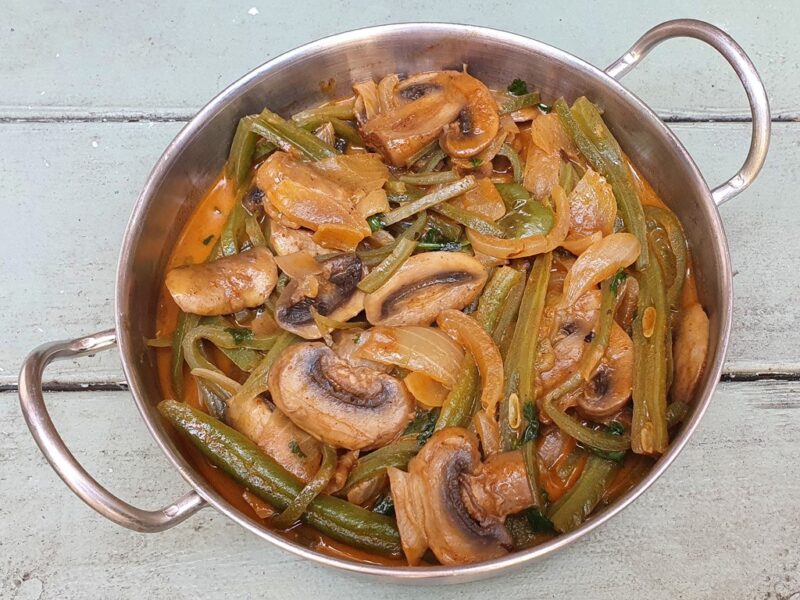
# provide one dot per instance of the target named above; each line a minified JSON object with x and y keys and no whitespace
{"x":168,"y":59}
{"x":721,"y":523}
{"x":70,"y":188}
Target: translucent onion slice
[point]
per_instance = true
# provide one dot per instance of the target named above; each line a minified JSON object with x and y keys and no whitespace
{"x":423,"y":349}
{"x":469,"y":333}
{"x":600,"y":261}
{"x":298,"y":264}
{"x":425,"y":390}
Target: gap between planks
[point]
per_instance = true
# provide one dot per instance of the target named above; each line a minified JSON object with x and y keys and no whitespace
{"x":122,"y":386}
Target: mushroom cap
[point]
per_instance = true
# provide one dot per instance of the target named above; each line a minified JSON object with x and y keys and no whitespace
{"x":336,"y":402}
{"x":337,"y":297}
{"x":452,"y":533}
{"x":226,"y":285}
{"x":610,"y":387}
{"x":477,"y":123}
{"x":424,"y":286}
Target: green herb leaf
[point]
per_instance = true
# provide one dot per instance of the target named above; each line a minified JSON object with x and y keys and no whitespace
{"x":538,"y":522}
{"x":532,"y":429}
{"x":614,"y":428}
{"x":476,"y":162}
{"x":618,"y":279}
{"x":384,"y":506}
{"x":545,"y":108}
{"x":518,"y":87}
{"x":357,"y":338}
{"x":296,"y":449}
{"x":240,"y":335}
{"x":375,"y":222}
{"x":423,"y":425}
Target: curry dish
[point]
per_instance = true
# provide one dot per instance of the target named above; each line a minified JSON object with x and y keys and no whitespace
{"x":431,"y":323}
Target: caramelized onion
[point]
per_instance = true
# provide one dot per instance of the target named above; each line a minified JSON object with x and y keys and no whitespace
{"x":428,"y":392}
{"x":423,"y":349}
{"x":298,"y":264}
{"x":600,"y":261}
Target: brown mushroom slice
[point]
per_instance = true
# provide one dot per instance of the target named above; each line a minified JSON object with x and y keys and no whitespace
{"x":401,"y":133}
{"x":226,"y":285}
{"x":336,"y":297}
{"x":690,"y":352}
{"x":499,"y":487}
{"x":339,"y":404}
{"x":435,"y":485}
{"x":477,"y":123}
{"x":610,"y":387}
{"x":424,"y":286}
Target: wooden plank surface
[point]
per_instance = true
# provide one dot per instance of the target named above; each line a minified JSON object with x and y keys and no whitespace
{"x":721,"y":523}
{"x":165,"y":59}
{"x":70,"y":188}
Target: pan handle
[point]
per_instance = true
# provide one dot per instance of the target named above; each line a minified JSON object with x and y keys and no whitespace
{"x":31,"y":400}
{"x":745,"y":70}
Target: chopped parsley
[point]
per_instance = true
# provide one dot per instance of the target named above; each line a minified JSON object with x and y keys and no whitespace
{"x":357,"y":338}
{"x":614,"y":428}
{"x":518,"y":87}
{"x":296,"y":449}
{"x":532,"y":429}
{"x":375,"y":222}
{"x":240,"y":335}
{"x":207,"y":240}
{"x":618,"y":279}
{"x":545,"y":108}
{"x":476,"y":162}
{"x":384,"y":506}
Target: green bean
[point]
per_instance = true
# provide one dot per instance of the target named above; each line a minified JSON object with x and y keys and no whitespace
{"x":469,"y":219}
{"x":590,"y":134}
{"x":461,"y":402}
{"x":431,"y":162}
{"x":423,"y":152}
{"x":342,"y":128}
{"x":254,"y":231}
{"x":494,"y":297}
{"x":186,"y":322}
{"x":312,"y":489}
{"x":567,"y":177}
{"x":429,"y":178}
{"x":578,"y":503}
{"x":340,"y":110}
{"x":240,"y":158}
{"x":428,"y":200}
{"x":677,"y":241}
{"x":375,"y":256}
{"x":388,"y":267}
{"x":397,"y":454}
{"x":450,"y":231}
{"x":602,"y":440}
{"x":242,"y":460}
{"x":531,"y":461}
{"x":263,"y":148}
{"x":289,"y":132}
{"x":517,"y":102}
{"x":504,"y":330}
{"x":228,"y":244}
{"x":516,"y":163}
{"x":519,"y":364}
{"x":649,"y":433}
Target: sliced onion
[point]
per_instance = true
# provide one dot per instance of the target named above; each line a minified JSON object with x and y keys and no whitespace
{"x":367,"y":102}
{"x":579,"y":245}
{"x":592,"y":206}
{"x":600,"y":261}
{"x":326,"y":325}
{"x":355,"y":172}
{"x":386,"y":95}
{"x":373,"y":203}
{"x":488,"y":432}
{"x":469,"y":333}
{"x":521,"y":247}
{"x":222,"y":380}
{"x":425,"y":390}
{"x":483,"y":199}
{"x":298,"y":264}
{"x":337,"y":236}
{"x":423,"y":349}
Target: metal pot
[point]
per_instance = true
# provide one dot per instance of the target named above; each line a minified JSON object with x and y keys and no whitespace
{"x":294,"y":80}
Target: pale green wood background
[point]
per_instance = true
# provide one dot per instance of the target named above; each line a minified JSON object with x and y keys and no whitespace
{"x":92,"y":92}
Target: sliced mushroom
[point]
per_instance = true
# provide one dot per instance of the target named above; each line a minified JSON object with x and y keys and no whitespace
{"x":430,"y":104}
{"x":285,"y":240}
{"x":424,"y":286}
{"x":499,"y":487}
{"x":690,"y":351}
{"x":337,"y":403}
{"x":431,"y":508}
{"x":477,"y":123}
{"x":336,"y":297}
{"x":610,"y":387}
{"x":226,"y":285}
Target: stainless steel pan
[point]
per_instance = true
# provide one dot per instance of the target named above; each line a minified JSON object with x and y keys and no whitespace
{"x":293,"y":81}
